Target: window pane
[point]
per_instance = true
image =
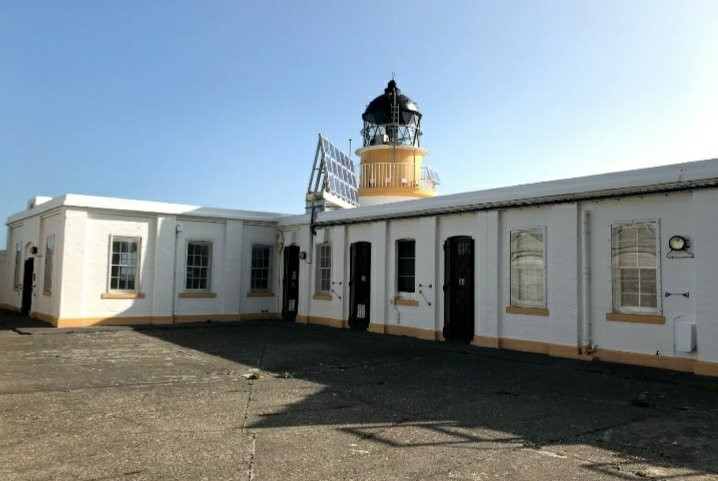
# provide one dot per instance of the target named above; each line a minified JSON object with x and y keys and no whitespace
{"x":648,"y":300}
{"x":324,"y":262}
{"x":527,"y":268}
{"x":406,"y":265}
{"x":635,"y":258}
{"x":198,"y":265}
{"x":259,"y":274}
{"x":124,"y":261}
{"x":629,"y":299}
{"x":406,"y":284}
{"x":648,"y":282}
{"x":629,"y":280}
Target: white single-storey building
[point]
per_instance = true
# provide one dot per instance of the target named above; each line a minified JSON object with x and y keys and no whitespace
{"x":621,"y":267}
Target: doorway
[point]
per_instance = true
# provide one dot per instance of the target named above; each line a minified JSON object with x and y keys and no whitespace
{"x":459,"y":288}
{"x":359,"y":284}
{"x":290,"y":283}
{"x":27,"y":285}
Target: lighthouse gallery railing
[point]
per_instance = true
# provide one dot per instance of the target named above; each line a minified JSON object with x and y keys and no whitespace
{"x":396,"y":174}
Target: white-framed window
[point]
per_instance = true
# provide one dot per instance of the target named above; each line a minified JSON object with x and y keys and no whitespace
{"x":635,"y":267}
{"x":17,"y":276}
{"x":124,"y":264}
{"x":198,"y":274}
{"x":49,"y":255}
{"x":528,"y":267}
{"x":260,"y":277}
{"x":324,"y":268}
{"x":406,"y":265}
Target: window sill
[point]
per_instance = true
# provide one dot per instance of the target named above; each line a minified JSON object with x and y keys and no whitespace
{"x":47,"y":294}
{"x":528,"y":311}
{"x":640,"y":318}
{"x":260,"y":294}
{"x":123,"y":295}
{"x":322,"y":297}
{"x":198,"y":295}
{"x":398,"y":301}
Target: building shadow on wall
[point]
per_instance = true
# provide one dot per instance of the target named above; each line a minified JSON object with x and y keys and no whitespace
{"x":407,"y":393}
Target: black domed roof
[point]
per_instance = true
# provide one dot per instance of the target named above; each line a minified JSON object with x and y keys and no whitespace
{"x":379,"y":110}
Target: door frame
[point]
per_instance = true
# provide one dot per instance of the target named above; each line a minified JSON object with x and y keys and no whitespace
{"x":28,"y":285}
{"x":355,"y":296}
{"x":290,"y":292}
{"x":459,"y":325}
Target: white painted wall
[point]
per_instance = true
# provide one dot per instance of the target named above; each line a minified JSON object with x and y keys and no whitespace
{"x":705,"y":281}
{"x":328,"y":309}
{"x":423,"y":232}
{"x":675,"y":214}
{"x":32,"y":232}
{"x":163,"y":254}
{"x":689,"y":214}
{"x":48,"y":302}
{"x":87,"y":255}
{"x":3,"y":276}
{"x":83,"y":240}
{"x":559,"y":223}
{"x":267,"y":235}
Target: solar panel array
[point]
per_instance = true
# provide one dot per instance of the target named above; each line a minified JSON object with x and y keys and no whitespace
{"x":341,"y":179}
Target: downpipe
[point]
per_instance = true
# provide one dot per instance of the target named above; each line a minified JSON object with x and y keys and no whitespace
{"x":586,"y":345}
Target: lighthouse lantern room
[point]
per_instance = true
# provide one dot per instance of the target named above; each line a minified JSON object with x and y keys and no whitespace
{"x":391,"y":167}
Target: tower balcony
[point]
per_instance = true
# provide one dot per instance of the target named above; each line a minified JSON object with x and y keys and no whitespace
{"x":401,"y":179}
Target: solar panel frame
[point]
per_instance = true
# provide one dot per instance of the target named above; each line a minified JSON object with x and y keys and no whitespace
{"x":339,"y":171}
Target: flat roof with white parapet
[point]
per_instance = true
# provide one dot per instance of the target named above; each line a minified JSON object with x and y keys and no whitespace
{"x":149,"y":207}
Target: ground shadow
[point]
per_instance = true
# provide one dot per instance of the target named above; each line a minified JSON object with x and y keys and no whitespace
{"x":10,"y":320}
{"x":373,"y":386}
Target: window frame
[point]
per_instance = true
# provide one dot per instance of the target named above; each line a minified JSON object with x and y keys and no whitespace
{"x":638,"y":310}
{"x":269,"y":268}
{"x":49,"y":267}
{"x":318,"y":284}
{"x":523,"y":303}
{"x":209,"y":266}
{"x":402,"y":293}
{"x":138,"y":264}
{"x":17,"y":272}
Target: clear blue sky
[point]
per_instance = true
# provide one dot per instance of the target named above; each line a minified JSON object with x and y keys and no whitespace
{"x":219,"y":103}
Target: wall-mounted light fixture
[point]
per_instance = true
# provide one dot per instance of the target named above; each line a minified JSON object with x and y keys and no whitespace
{"x":679,"y":246}
{"x":678,"y":243}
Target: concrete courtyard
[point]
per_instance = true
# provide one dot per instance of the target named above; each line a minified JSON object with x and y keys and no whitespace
{"x":270,"y":400}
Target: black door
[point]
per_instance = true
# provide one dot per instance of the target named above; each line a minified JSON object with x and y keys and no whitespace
{"x":290,"y":283}
{"x":27,"y":285}
{"x":459,"y":288}
{"x":359,"y":284}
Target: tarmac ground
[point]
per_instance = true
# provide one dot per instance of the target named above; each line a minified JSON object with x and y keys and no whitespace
{"x":274,"y":400}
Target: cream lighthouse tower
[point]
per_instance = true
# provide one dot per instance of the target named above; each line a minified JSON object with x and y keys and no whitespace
{"x":391,"y":167}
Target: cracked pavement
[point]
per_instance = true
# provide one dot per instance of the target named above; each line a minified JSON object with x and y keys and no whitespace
{"x":270,"y":400}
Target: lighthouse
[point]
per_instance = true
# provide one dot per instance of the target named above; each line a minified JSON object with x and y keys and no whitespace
{"x":391,"y":158}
